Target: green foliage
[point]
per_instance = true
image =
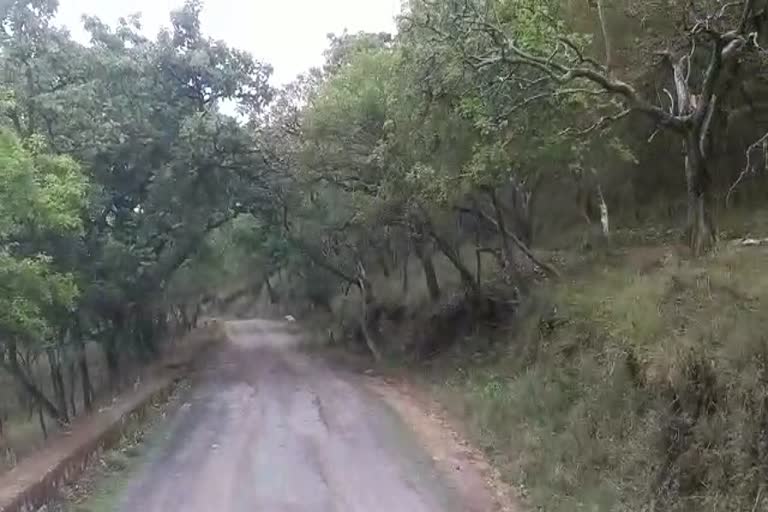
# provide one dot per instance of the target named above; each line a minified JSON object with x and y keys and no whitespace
{"x":142,"y":117}
{"x":37,"y":189}
{"x":127,"y":194}
{"x":31,"y":290}
{"x":39,"y":193}
{"x":116,"y":164}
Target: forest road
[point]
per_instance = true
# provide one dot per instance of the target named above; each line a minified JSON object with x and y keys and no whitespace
{"x":269,"y":428}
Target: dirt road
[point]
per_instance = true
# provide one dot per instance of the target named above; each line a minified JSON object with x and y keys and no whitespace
{"x":269,"y":428}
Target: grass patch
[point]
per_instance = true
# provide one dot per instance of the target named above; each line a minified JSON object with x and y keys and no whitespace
{"x":100,"y":488}
{"x":630,"y":387}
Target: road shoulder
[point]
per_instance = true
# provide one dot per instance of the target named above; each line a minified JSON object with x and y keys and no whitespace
{"x":477,"y":482}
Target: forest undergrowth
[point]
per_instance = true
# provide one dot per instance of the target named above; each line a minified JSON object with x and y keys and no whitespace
{"x":638,"y":382}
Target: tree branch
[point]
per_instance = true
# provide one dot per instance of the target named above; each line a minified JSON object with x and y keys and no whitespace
{"x":511,"y":55}
{"x":710,"y":81}
{"x":599,"y":124}
{"x":746,"y":14}
{"x":555,"y":94}
{"x":549,"y":269}
{"x":579,"y":54}
{"x":727,"y":6}
{"x":761,"y":142}
{"x":706,"y":124}
{"x":609,"y":64}
{"x":320,"y":261}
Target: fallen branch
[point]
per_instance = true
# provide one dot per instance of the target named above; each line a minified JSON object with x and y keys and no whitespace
{"x":751,"y":242}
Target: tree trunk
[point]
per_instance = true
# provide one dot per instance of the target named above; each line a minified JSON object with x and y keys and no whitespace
{"x":405,"y":275}
{"x":431,"y":277}
{"x":604,"y":219}
{"x":85,"y":382}
{"x":57,"y":381}
{"x":425,"y":257}
{"x":700,"y":228}
{"x":478,"y":260}
{"x":610,"y":63}
{"x":177,"y":320}
{"x":522,"y":209}
{"x":41,"y":419}
{"x":185,"y":319}
{"x":511,"y":270}
{"x":479,"y":266}
{"x":196,"y":314}
{"x":383,"y":264}
{"x":701,"y":233}
{"x":112,"y":359}
{"x":72,"y":378}
{"x":270,"y":291}
{"x":82,"y":362}
{"x":367,"y":299}
{"x":28,"y":386}
{"x":147,"y":335}
{"x":591,"y":200}
{"x":467,"y":278}
{"x":450,"y":252}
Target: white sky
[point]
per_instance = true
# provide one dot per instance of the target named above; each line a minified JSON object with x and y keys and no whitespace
{"x":289,"y":34}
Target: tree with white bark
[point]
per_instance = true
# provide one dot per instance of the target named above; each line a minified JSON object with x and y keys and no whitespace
{"x":525,"y":43}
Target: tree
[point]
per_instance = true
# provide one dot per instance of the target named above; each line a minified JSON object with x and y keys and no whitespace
{"x":166,"y":167}
{"x":505,"y":38}
{"x":41,"y":194}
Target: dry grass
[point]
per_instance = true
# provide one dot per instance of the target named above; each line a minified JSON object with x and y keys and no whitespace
{"x":632,"y":387}
{"x":100,"y":487}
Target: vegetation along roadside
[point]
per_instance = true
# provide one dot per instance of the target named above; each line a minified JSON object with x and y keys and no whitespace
{"x":552,"y":209}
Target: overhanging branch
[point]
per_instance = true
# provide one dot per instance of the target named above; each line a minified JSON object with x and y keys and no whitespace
{"x":547,"y":268}
{"x":600,"y":124}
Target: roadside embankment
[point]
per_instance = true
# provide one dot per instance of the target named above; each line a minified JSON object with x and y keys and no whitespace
{"x":37,"y":479}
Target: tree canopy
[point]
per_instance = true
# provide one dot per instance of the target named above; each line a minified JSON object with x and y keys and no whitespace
{"x":482,"y":134}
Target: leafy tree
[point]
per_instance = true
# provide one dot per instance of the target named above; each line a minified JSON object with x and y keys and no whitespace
{"x":40,"y":194}
{"x":505,"y":37}
{"x":166,"y":168}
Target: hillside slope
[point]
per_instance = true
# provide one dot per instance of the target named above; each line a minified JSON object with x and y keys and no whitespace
{"x":640,"y":382}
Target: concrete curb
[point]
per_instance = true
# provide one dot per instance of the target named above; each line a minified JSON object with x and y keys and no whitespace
{"x":35,"y":482}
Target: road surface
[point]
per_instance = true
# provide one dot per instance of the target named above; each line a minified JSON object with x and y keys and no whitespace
{"x":268,"y":428}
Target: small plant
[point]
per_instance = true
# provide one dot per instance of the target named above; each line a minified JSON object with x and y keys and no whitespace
{"x":115,"y":461}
